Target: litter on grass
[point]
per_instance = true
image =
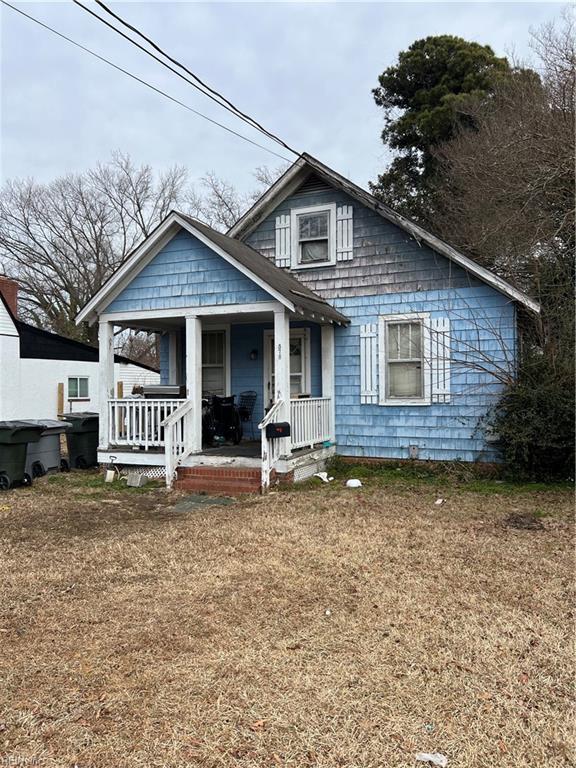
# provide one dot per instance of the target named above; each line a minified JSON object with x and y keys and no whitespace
{"x":324,"y":477}
{"x":439,"y":502}
{"x":434,"y":758}
{"x":353,"y":483}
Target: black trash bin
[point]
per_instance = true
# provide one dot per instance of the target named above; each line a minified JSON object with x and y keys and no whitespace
{"x":14,"y":439}
{"x":46,"y":455}
{"x":82,"y":439}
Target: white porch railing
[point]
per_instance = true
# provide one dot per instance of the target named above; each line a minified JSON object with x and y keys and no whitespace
{"x":138,"y":422}
{"x":271,"y":449}
{"x":177,"y":439}
{"x":310,"y":421}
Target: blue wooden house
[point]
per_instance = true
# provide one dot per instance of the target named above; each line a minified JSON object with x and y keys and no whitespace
{"x":369,"y":336}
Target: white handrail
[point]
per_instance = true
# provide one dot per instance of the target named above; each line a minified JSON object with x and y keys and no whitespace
{"x":176,"y":439}
{"x":271,"y":449}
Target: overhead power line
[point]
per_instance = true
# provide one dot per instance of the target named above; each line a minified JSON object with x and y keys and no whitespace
{"x":201,"y":87}
{"x":186,"y":69}
{"x":144,"y":82}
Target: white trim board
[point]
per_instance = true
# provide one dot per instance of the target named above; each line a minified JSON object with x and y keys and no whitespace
{"x":288,"y":182}
{"x":210,"y":310}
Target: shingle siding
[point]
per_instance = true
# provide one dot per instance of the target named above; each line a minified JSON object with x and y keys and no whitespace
{"x":385,"y":259}
{"x":187,"y":273}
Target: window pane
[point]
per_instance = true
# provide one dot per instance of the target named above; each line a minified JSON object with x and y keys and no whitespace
{"x":404,"y":380}
{"x":213,"y":381}
{"x":296,"y":356}
{"x":416,"y":340}
{"x":213,"y":347}
{"x":315,"y":250}
{"x":313,"y":225}
{"x":404,"y":341}
{"x":393,"y":341}
{"x":72,"y":387}
{"x":296,"y":384}
{"x":82,"y":387}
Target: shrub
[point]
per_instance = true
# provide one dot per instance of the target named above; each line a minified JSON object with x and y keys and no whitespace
{"x":534,"y":420}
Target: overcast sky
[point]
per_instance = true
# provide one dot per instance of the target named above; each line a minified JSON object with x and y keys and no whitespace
{"x":304,"y":70}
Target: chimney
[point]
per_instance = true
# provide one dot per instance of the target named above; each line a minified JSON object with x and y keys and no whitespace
{"x":9,"y":290}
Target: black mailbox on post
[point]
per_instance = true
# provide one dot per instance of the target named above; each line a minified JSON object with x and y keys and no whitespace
{"x":277,"y":429}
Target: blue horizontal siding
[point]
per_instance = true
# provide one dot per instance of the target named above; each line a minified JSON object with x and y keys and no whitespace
{"x":187,"y":273}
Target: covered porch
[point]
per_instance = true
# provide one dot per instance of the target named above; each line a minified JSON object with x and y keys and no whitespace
{"x":283,"y":358}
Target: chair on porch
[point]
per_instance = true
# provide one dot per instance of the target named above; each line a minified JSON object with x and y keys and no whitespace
{"x":246,"y":408}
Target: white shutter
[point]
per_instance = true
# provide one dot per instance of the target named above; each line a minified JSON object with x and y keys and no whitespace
{"x":369,"y":364}
{"x":283,"y":241}
{"x":440,"y":359}
{"x":344,"y":231}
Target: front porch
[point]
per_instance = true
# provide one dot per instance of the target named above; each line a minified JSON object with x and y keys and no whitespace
{"x":286,"y":361}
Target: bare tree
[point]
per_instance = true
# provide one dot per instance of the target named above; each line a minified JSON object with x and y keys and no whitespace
{"x":507,"y":199}
{"x":140,"y":346}
{"x":220,"y":204}
{"x":62,"y":240}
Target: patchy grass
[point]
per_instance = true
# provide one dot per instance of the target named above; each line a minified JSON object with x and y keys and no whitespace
{"x":323,"y":628}
{"x":466,"y":477}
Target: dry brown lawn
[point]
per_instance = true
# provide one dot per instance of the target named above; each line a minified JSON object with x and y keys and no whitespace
{"x":328,"y":627}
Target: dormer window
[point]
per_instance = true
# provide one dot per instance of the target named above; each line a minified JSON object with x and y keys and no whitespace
{"x":313,"y":236}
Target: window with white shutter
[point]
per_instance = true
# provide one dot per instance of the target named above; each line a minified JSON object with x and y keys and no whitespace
{"x":414,"y":359}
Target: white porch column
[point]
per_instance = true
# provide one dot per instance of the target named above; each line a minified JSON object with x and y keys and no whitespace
{"x":282,"y":368}
{"x":328,"y":376}
{"x":194,"y":380}
{"x":105,"y":378}
{"x":173,"y":368}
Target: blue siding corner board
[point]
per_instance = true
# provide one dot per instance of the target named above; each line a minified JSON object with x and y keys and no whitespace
{"x":187,"y":273}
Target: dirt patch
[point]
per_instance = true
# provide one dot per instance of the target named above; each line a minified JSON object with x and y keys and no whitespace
{"x":326,"y":627}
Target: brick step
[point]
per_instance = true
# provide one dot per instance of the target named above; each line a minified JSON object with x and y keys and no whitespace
{"x":220,"y":472}
{"x":230,"y":486}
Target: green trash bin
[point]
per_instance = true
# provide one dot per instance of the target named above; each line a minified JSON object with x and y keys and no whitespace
{"x":82,"y":439}
{"x":14,"y":439}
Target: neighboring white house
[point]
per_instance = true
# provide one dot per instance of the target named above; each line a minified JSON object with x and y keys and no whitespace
{"x":43,"y":374}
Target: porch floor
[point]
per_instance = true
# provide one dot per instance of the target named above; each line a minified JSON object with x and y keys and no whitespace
{"x":248,"y":449}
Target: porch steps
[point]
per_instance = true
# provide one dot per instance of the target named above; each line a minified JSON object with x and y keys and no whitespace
{"x":226,"y":481}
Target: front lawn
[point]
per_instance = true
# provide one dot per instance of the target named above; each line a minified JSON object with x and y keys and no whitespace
{"x":316,"y":627}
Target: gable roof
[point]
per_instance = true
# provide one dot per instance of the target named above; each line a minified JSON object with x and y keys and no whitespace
{"x":280,"y":284}
{"x":289,"y":182}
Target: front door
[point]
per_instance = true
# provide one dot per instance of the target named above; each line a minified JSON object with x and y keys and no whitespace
{"x":299,"y":364}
